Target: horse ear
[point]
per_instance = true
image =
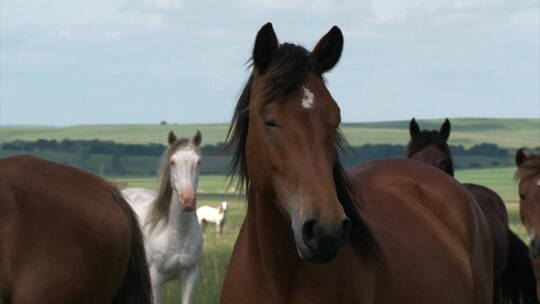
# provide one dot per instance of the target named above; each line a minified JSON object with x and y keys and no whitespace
{"x":266,"y":45}
{"x":414,"y":129}
{"x":521,"y":157}
{"x":328,"y":50}
{"x":171,"y":138}
{"x":445,"y":129}
{"x":197,"y":138}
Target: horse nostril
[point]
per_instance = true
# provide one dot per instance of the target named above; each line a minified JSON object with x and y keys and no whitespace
{"x":346,"y":229}
{"x":308,"y":233}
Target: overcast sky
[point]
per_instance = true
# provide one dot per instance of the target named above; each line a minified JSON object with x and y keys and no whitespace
{"x":65,"y":62}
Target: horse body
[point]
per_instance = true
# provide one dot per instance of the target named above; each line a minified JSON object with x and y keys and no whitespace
{"x":174,"y":247}
{"x":67,"y":236}
{"x":388,"y":231}
{"x":421,"y":217}
{"x":510,"y":261}
{"x":174,"y":239}
{"x":217,"y":216}
{"x":425,"y":256}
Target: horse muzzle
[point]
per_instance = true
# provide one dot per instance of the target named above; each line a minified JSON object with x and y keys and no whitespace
{"x":319,"y":243}
{"x":188,"y":200}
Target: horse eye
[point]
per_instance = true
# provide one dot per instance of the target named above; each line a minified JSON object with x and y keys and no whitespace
{"x":521,"y":196}
{"x":172,"y":162}
{"x":270,"y":124}
{"x":199,"y":163}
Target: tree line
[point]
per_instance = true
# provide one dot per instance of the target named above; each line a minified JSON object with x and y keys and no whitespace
{"x":119,"y":159}
{"x":114,"y":148}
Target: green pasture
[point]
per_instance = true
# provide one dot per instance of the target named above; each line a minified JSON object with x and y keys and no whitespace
{"x":508,"y":133}
{"x":215,"y":188}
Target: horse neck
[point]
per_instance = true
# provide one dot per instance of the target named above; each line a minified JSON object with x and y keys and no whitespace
{"x":267,"y":229}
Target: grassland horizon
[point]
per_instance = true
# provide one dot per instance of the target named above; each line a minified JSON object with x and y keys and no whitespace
{"x":505,"y":132}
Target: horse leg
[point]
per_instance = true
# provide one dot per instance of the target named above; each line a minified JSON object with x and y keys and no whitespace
{"x":157,"y":282}
{"x":203,"y":225}
{"x":189,"y":278}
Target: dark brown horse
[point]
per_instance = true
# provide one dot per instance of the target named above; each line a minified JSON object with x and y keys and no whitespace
{"x":514,"y":278}
{"x":387,"y":231}
{"x":67,"y":236}
{"x":528,"y":175}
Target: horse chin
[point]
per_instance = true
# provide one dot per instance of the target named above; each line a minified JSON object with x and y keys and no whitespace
{"x":323,"y":255}
{"x":188,"y":208}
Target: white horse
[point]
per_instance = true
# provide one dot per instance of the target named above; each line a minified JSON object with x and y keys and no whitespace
{"x":173,"y":237}
{"x":207,"y":214}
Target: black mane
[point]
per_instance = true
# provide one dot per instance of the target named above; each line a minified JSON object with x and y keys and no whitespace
{"x":426,"y":138}
{"x":285,"y":74}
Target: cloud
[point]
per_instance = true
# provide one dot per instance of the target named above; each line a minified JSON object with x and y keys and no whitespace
{"x":155,"y":5}
{"x":190,"y":55}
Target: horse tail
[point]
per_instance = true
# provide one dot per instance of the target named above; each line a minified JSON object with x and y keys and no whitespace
{"x":518,"y":283}
{"x":136,"y":287}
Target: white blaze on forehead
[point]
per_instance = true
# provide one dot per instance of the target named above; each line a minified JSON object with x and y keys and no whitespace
{"x":185,"y":169}
{"x":308,"y":99}
{"x":538,"y":182}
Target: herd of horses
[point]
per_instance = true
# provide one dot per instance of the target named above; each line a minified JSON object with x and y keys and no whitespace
{"x":399,"y":230}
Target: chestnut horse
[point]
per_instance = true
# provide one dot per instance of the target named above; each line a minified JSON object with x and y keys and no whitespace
{"x":67,"y":236}
{"x":513,"y":273}
{"x":387,"y":231}
{"x":528,"y":175}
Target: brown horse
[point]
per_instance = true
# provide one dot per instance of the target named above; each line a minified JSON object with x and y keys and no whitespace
{"x":528,"y":174}
{"x":385,"y":232}
{"x":514,"y":278}
{"x":67,"y":236}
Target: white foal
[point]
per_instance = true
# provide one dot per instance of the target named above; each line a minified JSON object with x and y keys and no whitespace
{"x":207,"y":214}
{"x":173,"y":237}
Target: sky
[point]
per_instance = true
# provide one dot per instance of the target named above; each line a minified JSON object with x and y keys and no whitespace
{"x":65,"y":62}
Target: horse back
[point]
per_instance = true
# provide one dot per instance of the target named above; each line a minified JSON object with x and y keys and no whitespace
{"x":435,"y":239}
{"x":60,"y":230}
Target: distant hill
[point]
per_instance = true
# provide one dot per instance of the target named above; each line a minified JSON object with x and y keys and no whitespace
{"x":508,"y":133}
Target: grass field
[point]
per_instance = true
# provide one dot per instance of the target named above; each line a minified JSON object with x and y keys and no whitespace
{"x":509,"y":133}
{"x":214,"y":189}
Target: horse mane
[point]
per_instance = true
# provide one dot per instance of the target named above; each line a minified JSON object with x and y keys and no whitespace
{"x":160,"y":206}
{"x":426,"y":138}
{"x":529,"y":168}
{"x":287,"y":73}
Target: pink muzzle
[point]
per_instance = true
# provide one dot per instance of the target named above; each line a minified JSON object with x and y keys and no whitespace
{"x":188,"y":200}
